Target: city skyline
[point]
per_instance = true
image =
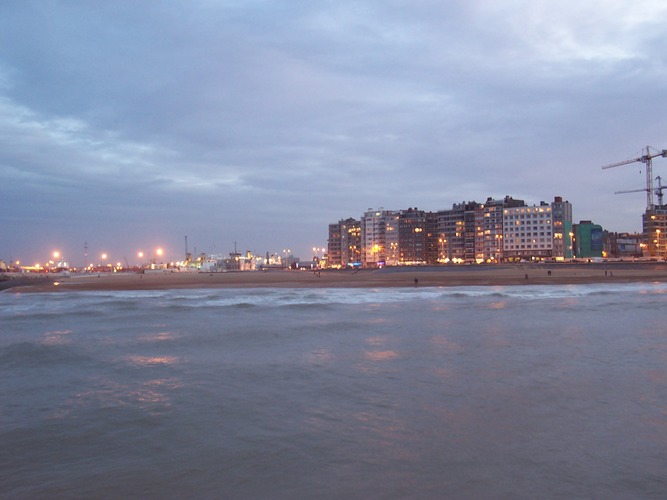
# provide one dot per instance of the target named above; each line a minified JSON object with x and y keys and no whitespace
{"x":158,"y":253}
{"x":127,"y":126}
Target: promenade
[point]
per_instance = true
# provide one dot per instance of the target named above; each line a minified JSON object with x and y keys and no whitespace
{"x":473,"y":275}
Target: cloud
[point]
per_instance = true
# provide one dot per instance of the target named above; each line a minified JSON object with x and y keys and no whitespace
{"x":249,"y":116}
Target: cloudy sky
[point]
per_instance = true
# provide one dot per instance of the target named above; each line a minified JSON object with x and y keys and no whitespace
{"x":129,"y":124}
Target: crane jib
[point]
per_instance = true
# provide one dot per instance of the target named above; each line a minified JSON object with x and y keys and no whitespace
{"x":645,"y":159}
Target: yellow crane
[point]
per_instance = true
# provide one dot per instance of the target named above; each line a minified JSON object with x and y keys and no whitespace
{"x":646,"y":159}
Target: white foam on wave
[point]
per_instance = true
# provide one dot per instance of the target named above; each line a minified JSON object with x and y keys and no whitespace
{"x":65,"y":302}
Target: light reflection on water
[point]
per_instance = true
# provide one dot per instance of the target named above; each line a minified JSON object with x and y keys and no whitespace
{"x":380,"y":355}
{"x":139,"y":360}
{"x":162,"y":336}
{"x":54,"y":337}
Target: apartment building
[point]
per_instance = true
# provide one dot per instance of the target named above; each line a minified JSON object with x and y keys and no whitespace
{"x":562,"y":224}
{"x":654,"y":223}
{"x":417,"y":237}
{"x":379,"y":238}
{"x":344,"y":243}
{"x":528,"y":232}
{"x":495,"y":231}
{"x":459,"y":232}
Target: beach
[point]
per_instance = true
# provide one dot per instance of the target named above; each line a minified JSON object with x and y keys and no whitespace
{"x":474,"y":275}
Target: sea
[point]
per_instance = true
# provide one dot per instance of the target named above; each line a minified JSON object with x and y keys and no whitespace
{"x":505,"y":392}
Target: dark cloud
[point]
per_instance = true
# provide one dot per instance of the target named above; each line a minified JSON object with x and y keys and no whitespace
{"x":128,"y":124}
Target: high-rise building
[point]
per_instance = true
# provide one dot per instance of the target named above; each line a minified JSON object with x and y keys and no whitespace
{"x":392,"y":238}
{"x":562,"y":222}
{"x":459,"y":232}
{"x":492,"y":227}
{"x":351,"y":242}
{"x":413,"y":234}
{"x":528,"y":232}
{"x":344,"y":245}
{"x":334,"y":245}
{"x":495,"y":231}
{"x":379,"y":238}
{"x":432,"y":238}
{"x":654,"y":223}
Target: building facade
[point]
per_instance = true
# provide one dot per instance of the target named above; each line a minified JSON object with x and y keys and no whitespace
{"x":334,"y":245}
{"x":624,"y":245}
{"x":528,"y":233}
{"x":379,"y":238}
{"x":492,"y":228}
{"x":562,"y":229}
{"x":654,"y":224}
{"x":459,"y":232}
{"x":344,"y":244}
{"x":412,"y":237}
{"x":495,"y":231}
{"x":588,"y":240}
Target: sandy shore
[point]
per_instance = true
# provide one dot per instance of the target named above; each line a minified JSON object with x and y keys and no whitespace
{"x":497,"y":275}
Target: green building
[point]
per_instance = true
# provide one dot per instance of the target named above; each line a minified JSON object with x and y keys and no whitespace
{"x":588,"y":241}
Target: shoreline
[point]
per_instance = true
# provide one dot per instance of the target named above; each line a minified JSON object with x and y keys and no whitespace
{"x":480,"y":275}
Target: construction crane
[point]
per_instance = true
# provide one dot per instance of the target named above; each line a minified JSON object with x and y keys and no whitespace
{"x":658,"y":190}
{"x":188,"y":256}
{"x":646,"y":159}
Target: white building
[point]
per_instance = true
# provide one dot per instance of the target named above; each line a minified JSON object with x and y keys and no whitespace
{"x":379,"y":238}
{"x":528,"y":232}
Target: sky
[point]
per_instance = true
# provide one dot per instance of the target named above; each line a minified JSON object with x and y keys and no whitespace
{"x":254,"y":124}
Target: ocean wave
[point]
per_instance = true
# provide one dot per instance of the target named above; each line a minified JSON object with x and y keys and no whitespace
{"x":47,"y":306}
{"x":538,"y":292}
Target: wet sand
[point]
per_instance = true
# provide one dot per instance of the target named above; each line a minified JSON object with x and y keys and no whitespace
{"x":481,"y":275}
